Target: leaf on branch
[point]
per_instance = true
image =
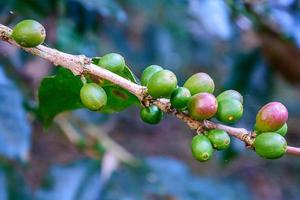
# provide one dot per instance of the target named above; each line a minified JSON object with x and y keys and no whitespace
{"x":118,"y":99}
{"x":61,"y":93}
{"x":126,"y":73}
{"x":57,"y":94}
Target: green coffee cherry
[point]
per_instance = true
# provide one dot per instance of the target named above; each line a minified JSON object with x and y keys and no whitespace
{"x":229,"y":111}
{"x":200,"y":82}
{"x":180,"y":97}
{"x":29,"y":33}
{"x":201,"y":148}
{"x":113,"y":62}
{"x":148,"y":73}
{"x":270,"y":145}
{"x":230,"y":94}
{"x":202,"y":106}
{"x":162,"y":84}
{"x":219,"y":139}
{"x":151,"y":114}
{"x":93,"y":96}
{"x":271,"y":117}
{"x":283,"y":130}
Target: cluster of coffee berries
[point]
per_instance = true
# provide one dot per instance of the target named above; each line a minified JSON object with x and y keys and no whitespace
{"x":196,"y":99}
{"x":160,"y":84}
{"x":92,"y":95}
{"x":202,"y":145}
{"x":270,"y":128}
{"x":195,"y":96}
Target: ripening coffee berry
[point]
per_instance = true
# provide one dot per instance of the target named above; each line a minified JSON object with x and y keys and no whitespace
{"x":29,"y":33}
{"x":180,"y":97}
{"x":202,"y":106}
{"x":93,"y":96}
{"x":148,"y":73}
{"x":270,"y":145}
{"x":162,"y":84}
{"x":219,"y":139}
{"x":230,"y":94}
{"x":283,"y":130}
{"x":200,"y":82}
{"x":151,"y":114}
{"x":271,"y":117}
{"x":201,"y":148}
{"x":113,"y":62}
{"x":229,"y":111}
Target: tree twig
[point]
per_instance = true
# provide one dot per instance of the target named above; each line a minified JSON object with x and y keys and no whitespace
{"x":80,"y":64}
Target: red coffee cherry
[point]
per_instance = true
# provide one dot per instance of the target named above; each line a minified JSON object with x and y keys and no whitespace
{"x":271,"y":117}
{"x":202,"y":106}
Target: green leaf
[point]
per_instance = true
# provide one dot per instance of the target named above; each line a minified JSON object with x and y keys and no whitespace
{"x":126,"y":73}
{"x":118,"y":99}
{"x":57,"y":94}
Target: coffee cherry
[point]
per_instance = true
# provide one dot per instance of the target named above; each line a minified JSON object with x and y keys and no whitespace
{"x":201,"y":148}
{"x":93,"y":96}
{"x":230,"y":94}
{"x":180,"y":97}
{"x":283,"y":130}
{"x":271,"y":117}
{"x":200,"y":82}
{"x":113,"y":62}
{"x":270,"y":145}
{"x":229,"y":111}
{"x":151,"y":114}
{"x":162,"y":84}
{"x":29,"y":33}
{"x":202,"y":106}
{"x":148,"y":73}
{"x":219,"y":139}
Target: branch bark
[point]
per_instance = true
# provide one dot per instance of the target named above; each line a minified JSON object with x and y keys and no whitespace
{"x":80,"y":64}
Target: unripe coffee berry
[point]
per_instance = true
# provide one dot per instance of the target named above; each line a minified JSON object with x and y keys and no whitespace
{"x":271,"y":117}
{"x":201,"y":148}
{"x":151,"y":114}
{"x":270,"y":145}
{"x":29,"y":33}
{"x":229,"y":111}
{"x":200,"y":82}
{"x":180,"y":97}
{"x":283,"y":130}
{"x":219,"y":139}
{"x":148,"y":73}
{"x":230,"y":94}
{"x":202,"y":106}
{"x":93,"y":96}
{"x":162,"y":84}
{"x":113,"y":62}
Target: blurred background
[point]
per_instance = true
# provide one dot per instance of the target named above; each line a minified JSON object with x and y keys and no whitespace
{"x":250,"y":46}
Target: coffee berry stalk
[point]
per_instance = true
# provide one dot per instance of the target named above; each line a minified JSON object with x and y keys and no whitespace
{"x":196,"y":110}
